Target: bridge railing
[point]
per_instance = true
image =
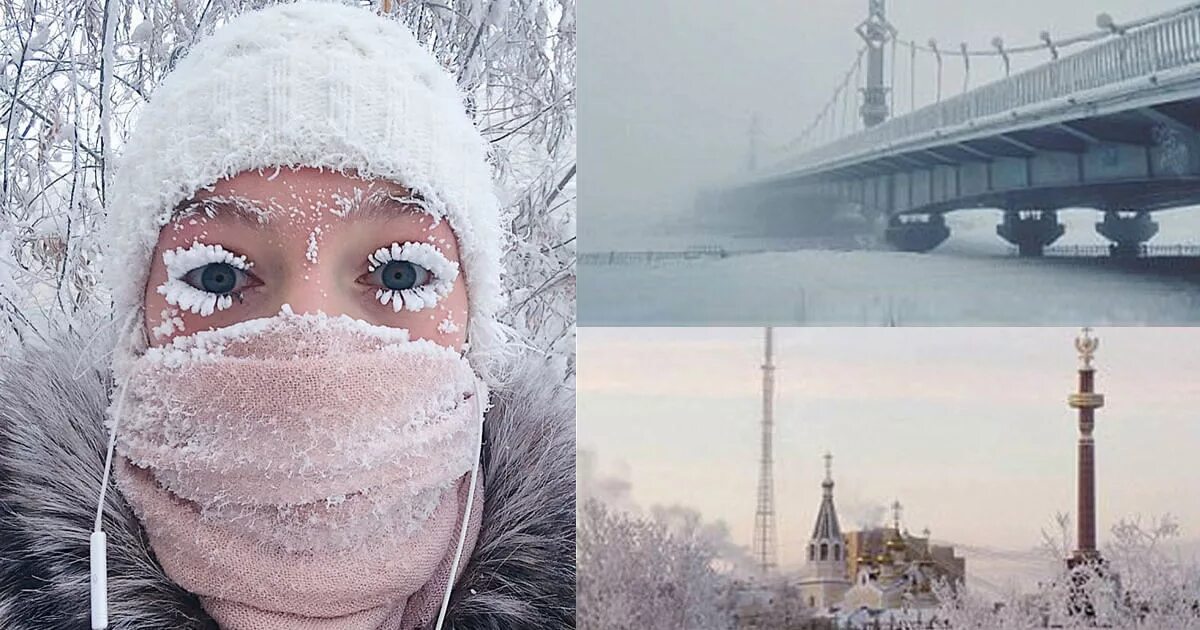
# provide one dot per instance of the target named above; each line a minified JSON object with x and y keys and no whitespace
{"x":628,"y":257}
{"x":1171,"y":43}
{"x":1144,"y":250}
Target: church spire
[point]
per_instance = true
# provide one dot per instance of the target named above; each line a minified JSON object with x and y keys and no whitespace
{"x":825,"y":582}
{"x":826,"y":528}
{"x":828,"y":483}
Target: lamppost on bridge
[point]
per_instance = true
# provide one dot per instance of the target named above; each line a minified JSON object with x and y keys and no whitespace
{"x":998,"y":44}
{"x":1106,"y":22}
{"x":876,"y":31}
{"x":1046,"y":39}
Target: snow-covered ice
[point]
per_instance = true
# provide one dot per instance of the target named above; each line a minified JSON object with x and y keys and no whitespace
{"x":971,"y":279}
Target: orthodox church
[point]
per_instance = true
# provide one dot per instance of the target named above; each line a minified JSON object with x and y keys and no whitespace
{"x":880,"y":568}
{"x":826,"y":578}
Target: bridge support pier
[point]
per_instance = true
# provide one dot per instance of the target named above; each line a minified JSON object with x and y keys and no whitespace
{"x":1127,"y":232}
{"x":913,"y":235}
{"x":1030,"y":230}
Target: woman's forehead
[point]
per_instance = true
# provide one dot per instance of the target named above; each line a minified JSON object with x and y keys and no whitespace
{"x":264,"y":197}
{"x":258,"y":212}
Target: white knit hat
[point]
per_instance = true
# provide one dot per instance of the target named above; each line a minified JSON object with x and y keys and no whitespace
{"x":315,"y":84}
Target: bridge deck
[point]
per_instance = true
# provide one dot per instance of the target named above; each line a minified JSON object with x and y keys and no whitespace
{"x":1154,"y":67}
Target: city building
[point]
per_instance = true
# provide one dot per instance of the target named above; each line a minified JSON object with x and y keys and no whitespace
{"x":880,"y":568}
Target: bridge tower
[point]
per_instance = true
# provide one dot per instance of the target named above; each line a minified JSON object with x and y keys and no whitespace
{"x":755,"y":141}
{"x":764,"y":515}
{"x":875,"y":31}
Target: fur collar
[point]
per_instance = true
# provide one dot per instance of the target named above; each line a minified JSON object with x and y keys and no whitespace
{"x":52,"y":441}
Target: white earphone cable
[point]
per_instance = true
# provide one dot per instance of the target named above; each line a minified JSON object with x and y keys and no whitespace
{"x":462,"y":534}
{"x":98,"y":542}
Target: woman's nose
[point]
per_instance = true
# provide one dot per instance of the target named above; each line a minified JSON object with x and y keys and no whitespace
{"x":309,"y":294}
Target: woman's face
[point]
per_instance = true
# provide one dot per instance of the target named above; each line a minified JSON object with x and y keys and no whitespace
{"x":317,"y":241}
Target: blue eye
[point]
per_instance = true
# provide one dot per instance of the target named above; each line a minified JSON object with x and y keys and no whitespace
{"x":218,"y":278}
{"x":399,"y":275}
{"x":409,"y":276}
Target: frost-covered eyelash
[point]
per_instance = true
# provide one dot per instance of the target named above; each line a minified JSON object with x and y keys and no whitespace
{"x":443,"y":270}
{"x":180,"y":261}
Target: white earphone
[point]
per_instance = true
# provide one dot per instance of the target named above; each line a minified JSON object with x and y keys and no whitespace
{"x":466,"y":518}
{"x":99,"y":541}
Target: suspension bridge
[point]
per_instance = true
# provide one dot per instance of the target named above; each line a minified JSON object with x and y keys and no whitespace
{"x":1110,"y":120}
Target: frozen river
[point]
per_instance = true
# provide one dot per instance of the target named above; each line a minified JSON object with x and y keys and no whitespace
{"x":970,"y":280}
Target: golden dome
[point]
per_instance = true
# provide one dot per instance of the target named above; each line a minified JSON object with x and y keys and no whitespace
{"x":883,"y":558}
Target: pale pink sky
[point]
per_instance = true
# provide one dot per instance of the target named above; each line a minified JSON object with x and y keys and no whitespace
{"x":968,"y":427}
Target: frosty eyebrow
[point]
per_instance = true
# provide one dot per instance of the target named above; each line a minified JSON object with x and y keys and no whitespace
{"x":387,"y":204}
{"x":242,"y":209}
{"x":380,"y":204}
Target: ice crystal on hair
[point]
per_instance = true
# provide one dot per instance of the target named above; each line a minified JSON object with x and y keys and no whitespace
{"x":180,"y":261}
{"x":444,"y":271}
{"x":346,"y":204}
{"x":419,"y":204}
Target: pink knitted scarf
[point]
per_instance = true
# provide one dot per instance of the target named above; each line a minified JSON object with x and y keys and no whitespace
{"x":303,"y":472}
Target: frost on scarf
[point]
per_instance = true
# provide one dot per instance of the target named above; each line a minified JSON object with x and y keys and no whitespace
{"x":307,"y":432}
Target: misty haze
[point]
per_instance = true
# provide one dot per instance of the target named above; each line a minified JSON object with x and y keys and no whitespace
{"x":771,"y":164}
{"x":955,"y":453}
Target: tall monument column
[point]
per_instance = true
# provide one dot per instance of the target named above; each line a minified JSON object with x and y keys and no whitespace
{"x":1086,"y":400}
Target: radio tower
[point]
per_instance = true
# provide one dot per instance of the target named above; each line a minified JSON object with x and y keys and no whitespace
{"x":764,"y":516}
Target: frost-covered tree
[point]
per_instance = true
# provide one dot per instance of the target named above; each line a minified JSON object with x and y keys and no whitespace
{"x":648,"y":573}
{"x":74,"y":74}
{"x":1139,"y":586}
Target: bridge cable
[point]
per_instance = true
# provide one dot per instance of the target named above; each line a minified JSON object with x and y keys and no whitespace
{"x":938,"y":55}
{"x":966,"y":69}
{"x":892,"y":92}
{"x":858,"y":88}
{"x":846,"y":123}
{"x":833,"y":114}
{"x":817,"y":127}
{"x":912,"y":77}
{"x":836,"y":113}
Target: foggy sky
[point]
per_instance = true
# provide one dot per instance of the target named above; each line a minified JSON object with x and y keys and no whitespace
{"x":667,"y":88}
{"x":968,"y":427}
